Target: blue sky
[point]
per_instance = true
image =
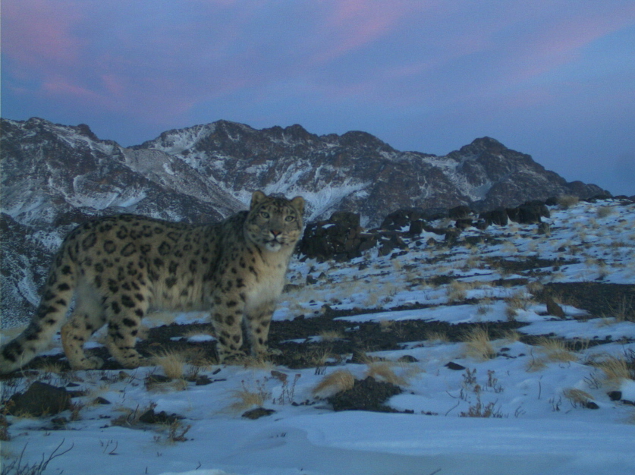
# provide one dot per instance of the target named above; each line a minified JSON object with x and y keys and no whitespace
{"x":554,"y":79}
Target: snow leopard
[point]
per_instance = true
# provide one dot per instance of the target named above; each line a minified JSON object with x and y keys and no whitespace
{"x":118,"y":268}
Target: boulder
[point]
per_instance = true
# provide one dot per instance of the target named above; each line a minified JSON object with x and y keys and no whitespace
{"x":341,"y":237}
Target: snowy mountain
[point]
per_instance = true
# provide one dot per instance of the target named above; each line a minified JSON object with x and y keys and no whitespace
{"x":55,"y":176}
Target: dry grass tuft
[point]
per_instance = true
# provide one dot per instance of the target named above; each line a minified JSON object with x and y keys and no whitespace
{"x":624,"y":311}
{"x":247,"y":398}
{"x":511,"y":336}
{"x":615,"y":369}
{"x":457,"y":291}
{"x":556,"y":350}
{"x":383,"y":371}
{"x":534,"y":365}
{"x":605,"y":211}
{"x":535,"y":287}
{"x":478,"y":345}
{"x":338,"y":381}
{"x":331,"y":335}
{"x":437,"y":337}
{"x":51,"y":368}
{"x":256,"y":362}
{"x":511,"y":313}
{"x":198,"y":357}
{"x":172,"y":363}
{"x":567,"y":201}
{"x":577,"y":396}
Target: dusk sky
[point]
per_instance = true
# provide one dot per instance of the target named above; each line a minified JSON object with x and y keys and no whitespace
{"x":551,"y":78}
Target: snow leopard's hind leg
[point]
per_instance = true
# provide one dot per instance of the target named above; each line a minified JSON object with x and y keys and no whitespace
{"x":87,"y":318}
{"x":49,"y":316}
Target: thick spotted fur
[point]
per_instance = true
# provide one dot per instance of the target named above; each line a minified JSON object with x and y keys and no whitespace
{"x":119,"y":267}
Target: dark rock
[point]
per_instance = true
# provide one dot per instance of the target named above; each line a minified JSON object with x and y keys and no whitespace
{"x":496,"y":216}
{"x":553,"y":308}
{"x":529,"y":214}
{"x":513,"y":214}
{"x":341,"y":237}
{"x":203,"y":381}
{"x":416,"y":227}
{"x":40,"y":399}
{"x":401,"y":218}
{"x":481,"y":224}
{"x":460,"y":212}
{"x":464,"y":223}
{"x":615,"y":395}
{"x":454,"y":366}
{"x":365,"y":395}
{"x":151,"y":417}
{"x":388,"y":242}
{"x":433,"y":214}
{"x":257,"y":413}
{"x":452,"y":235}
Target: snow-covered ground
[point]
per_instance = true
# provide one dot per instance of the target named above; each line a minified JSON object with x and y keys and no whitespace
{"x":525,"y":409}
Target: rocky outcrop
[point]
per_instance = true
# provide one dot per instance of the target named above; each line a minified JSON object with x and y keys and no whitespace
{"x":341,"y":238}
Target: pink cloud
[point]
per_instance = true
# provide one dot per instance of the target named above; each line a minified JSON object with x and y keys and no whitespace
{"x":351,"y":24}
{"x":38,"y":32}
{"x":559,"y":40}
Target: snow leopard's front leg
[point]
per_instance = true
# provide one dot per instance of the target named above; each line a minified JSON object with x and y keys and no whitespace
{"x":257,"y":324}
{"x":227,"y":317}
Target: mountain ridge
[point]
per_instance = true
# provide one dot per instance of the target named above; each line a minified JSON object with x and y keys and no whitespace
{"x":55,"y":176}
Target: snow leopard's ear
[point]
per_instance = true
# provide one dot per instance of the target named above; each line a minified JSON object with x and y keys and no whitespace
{"x":298,"y":203}
{"x":257,"y":197}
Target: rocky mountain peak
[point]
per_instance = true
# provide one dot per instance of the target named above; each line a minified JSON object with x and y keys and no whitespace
{"x":364,"y":141}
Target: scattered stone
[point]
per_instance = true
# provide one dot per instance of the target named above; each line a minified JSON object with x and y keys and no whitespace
{"x":151,"y":417}
{"x":257,"y":413}
{"x":454,"y":366}
{"x":203,"y":380}
{"x":617,"y":396}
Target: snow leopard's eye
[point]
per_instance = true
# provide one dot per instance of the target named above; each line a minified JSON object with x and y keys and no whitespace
{"x":264,"y":215}
{"x":290,"y":218}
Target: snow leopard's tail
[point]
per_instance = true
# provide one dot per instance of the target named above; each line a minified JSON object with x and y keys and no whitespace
{"x":49,"y":316}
